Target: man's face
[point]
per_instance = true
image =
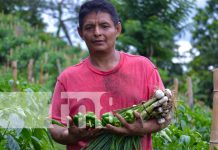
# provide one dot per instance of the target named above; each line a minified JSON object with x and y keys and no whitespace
{"x":99,"y":32}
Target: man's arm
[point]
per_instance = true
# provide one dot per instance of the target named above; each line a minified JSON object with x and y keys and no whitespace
{"x":139,"y":127}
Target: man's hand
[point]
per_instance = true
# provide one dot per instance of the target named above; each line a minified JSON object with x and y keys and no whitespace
{"x":82,"y":133}
{"x":135,"y":128}
{"x":73,"y":134}
{"x":138,"y":128}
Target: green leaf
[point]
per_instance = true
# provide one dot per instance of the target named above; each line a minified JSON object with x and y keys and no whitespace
{"x":26,"y":134}
{"x":36,"y":143}
{"x":50,"y":139}
{"x":185,"y":139}
{"x":38,"y":133}
{"x":164,"y":134}
{"x":57,"y":123}
{"x":18,"y":132}
{"x":12,"y":143}
{"x":183,"y":124}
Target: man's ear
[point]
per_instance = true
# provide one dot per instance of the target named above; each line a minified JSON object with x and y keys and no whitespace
{"x":79,"y":30}
{"x":119,"y":28}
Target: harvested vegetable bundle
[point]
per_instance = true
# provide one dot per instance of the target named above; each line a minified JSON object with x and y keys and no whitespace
{"x":159,"y":107}
{"x":89,"y":120}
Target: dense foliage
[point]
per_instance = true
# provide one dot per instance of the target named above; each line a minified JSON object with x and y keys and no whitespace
{"x":30,"y":11}
{"x":190,"y":129}
{"x":205,"y":50}
{"x":150,"y":27}
{"x":150,"y":33}
{"x":21,"y":138}
{"x":21,"y":42}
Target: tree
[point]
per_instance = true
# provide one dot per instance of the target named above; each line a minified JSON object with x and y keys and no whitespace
{"x":150,"y":27}
{"x":29,"y":11}
{"x":21,"y":42}
{"x":63,"y":12}
{"x":65,"y":15}
{"x":205,"y":49}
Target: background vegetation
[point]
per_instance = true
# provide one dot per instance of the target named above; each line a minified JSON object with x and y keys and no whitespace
{"x":151,"y":33}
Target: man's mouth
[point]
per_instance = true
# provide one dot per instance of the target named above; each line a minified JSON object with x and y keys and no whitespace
{"x":98,"y":41}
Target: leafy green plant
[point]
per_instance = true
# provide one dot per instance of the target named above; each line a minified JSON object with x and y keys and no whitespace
{"x":190,"y":129}
{"x":25,"y":138}
{"x":13,"y":134}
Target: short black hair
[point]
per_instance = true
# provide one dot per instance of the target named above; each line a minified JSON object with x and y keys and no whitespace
{"x":98,"y":6}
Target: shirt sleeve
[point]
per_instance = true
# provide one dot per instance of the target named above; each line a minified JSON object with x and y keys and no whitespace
{"x":59,"y":106}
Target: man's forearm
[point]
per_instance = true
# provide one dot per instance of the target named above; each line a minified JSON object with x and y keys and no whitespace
{"x":61,"y":135}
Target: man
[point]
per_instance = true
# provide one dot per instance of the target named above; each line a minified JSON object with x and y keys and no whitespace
{"x":107,"y":80}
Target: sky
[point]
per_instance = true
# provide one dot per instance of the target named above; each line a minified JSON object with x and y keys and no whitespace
{"x":183,"y":41}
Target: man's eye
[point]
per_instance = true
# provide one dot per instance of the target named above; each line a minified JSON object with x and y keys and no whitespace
{"x":105,"y":26}
{"x":88,"y":28}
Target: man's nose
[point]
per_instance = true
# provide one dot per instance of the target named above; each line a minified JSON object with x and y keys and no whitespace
{"x":97,"y":31}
